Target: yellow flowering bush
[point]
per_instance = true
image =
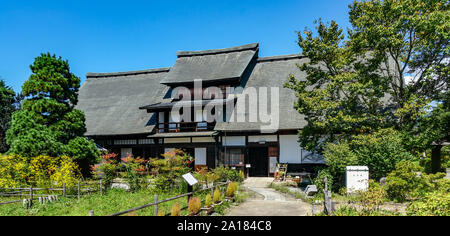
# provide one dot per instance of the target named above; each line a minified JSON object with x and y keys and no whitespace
{"x":13,"y":171}
{"x":42,"y":171}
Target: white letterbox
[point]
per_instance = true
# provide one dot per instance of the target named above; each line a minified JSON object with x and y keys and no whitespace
{"x":357,"y":178}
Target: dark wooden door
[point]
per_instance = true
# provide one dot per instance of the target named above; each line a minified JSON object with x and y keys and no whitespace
{"x":259,"y":161}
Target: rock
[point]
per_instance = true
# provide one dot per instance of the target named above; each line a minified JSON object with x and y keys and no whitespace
{"x":383,"y":181}
{"x":311,"y":190}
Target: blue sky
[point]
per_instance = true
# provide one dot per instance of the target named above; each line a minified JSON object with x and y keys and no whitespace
{"x":110,"y":36}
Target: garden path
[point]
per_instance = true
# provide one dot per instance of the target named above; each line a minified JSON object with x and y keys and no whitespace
{"x":272,"y":204}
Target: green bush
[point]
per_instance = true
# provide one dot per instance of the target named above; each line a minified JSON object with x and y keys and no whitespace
{"x":373,"y":197}
{"x":231,"y":189}
{"x":338,"y":157}
{"x":217,"y":196}
{"x":208,"y":200}
{"x":432,"y":204}
{"x":407,"y":182}
{"x":380,"y":151}
{"x":168,"y":171}
{"x":225,"y":174}
{"x":319,"y":180}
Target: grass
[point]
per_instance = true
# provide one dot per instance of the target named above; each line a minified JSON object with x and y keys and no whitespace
{"x":283,"y":188}
{"x":114,"y":201}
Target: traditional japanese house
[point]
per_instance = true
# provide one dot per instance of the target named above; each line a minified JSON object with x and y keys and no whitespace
{"x":149,"y":112}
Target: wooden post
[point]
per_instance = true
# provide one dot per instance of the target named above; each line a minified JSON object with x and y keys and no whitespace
{"x":91,"y":213}
{"x":189,"y":190}
{"x":101,"y":187}
{"x":64,"y":189}
{"x":79,"y":190}
{"x":326,"y":208}
{"x":156,"y":206}
{"x":31,"y":196}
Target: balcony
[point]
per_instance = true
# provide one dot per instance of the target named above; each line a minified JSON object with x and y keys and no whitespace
{"x":177,"y":127}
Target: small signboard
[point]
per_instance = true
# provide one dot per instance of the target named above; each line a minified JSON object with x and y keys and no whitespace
{"x":273,"y":164}
{"x":190,"y":179}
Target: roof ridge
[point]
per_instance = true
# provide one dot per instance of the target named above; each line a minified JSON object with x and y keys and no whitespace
{"x":253,"y":46}
{"x":281,"y":57}
{"x":125,"y":73}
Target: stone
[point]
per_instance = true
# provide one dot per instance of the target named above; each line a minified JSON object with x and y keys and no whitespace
{"x":383,"y":181}
{"x":311,"y":190}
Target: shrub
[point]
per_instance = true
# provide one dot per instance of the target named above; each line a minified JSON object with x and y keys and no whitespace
{"x":217,"y":196}
{"x":134,"y":172}
{"x":338,"y":157}
{"x":380,"y":151}
{"x":225,"y":174}
{"x":319,"y":180}
{"x":161,"y":213}
{"x":346,"y":211}
{"x":205,"y":176}
{"x":194,"y":205}
{"x":406,"y":182}
{"x":176,"y":210}
{"x":168,"y":171}
{"x":432,"y":204}
{"x":373,"y":197}
{"x":45,"y":171}
{"x":208,"y":200}
{"x":231,"y":189}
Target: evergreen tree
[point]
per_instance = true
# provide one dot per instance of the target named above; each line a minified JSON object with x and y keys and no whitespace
{"x":7,"y":100}
{"x":47,"y":123}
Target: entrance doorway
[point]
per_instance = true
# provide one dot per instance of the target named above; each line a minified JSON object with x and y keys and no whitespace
{"x":259,"y":161}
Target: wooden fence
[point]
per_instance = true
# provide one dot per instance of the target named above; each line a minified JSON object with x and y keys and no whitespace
{"x":157,"y":202}
{"x":31,"y":193}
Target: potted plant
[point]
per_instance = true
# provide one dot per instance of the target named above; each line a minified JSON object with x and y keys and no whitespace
{"x":208,"y":205}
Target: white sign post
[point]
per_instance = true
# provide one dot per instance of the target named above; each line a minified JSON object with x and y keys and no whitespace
{"x":190,"y":179}
{"x":357,"y":179}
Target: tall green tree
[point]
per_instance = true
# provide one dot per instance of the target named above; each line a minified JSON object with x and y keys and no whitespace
{"x":7,"y":101}
{"x":356,"y":82}
{"x":47,"y":123}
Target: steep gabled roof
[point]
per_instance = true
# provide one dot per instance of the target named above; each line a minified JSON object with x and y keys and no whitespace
{"x":272,"y":72}
{"x":211,"y":65}
{"x":111,"y":101}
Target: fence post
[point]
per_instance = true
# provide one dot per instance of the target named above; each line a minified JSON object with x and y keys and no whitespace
{"x":101,"y":187}
{"x":31,"y":196}
{"x":156,"y":206}
{"x":64,"y":189}
{"x":190,"y":189}
{"x":79,"y":190}
{"x":91,"y":213}
{"x":327,"y":199}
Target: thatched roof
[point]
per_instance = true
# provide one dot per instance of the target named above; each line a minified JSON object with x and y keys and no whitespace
{"x":272,"y":72}
{"x":211,"y":65}
{"x":111,"y":101}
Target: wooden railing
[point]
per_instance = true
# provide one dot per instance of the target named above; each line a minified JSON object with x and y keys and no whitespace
{"x":33,"y":193}
{"x":157,"y":202}
{"x":176,"y":127}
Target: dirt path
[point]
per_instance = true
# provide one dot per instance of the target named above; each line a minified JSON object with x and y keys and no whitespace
{"x":268,"y":202}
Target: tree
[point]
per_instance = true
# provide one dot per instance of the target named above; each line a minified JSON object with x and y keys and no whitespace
{"x":47,"y":123}
{"x":356,"y":85}
{"x":7,"y":100}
